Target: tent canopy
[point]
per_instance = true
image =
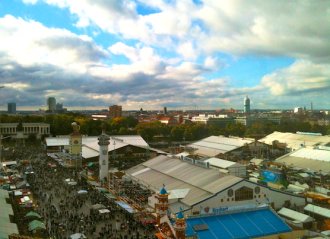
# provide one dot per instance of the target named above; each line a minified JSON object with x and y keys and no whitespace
{"x":125,"y":206}
{"x":33,"y":214}
{"x":102,"y":190}
{"x":35,"y":225}
{"x":102,"y":211}
{"x":77,"y":236}
{"x":82,"y":192}
{"x":98,"y":206}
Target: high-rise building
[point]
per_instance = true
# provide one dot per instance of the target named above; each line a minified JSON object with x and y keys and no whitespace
{"x":165,"y":110}
{"x":246,"y":105}
{"x":115,"y":111}
{"x":12,"y":108}
{"x":51,"y":102}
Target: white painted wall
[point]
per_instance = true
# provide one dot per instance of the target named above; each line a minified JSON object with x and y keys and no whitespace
{"x":266,"y":196}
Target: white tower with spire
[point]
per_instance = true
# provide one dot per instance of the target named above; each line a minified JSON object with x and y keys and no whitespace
{"x":103,"y":159}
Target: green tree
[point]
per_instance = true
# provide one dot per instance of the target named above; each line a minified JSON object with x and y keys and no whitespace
{"x":177,"y":132}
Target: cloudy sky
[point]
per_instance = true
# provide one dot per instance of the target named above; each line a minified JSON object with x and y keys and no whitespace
{"x":183,"y":54}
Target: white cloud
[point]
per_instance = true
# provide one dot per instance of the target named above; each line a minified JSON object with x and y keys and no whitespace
{"x":17,"y":86}
{"x":187,"y":50}
{"x":236,"y":27}
{"x":30,"y":1}
{"x":29,"y":43}
{"x":267,"y":27}
{"x":300,"y":78}
{"x":120,"y":48}
{"x":142,"y":60}
{"x":187,"y":31}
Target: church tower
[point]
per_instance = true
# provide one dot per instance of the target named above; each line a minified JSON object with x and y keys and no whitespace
{"x":103,"y":159}
{"x":162,"y":205}
{"x":180,"y":226}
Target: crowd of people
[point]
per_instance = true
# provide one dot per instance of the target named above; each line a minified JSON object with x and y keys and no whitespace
{"x":67,"y":209}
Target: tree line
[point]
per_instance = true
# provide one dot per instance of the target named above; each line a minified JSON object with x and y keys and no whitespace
{"x":60,"y":124}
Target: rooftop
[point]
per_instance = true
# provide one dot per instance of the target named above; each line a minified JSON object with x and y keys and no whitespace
{"x":308,"y":158}
{"x":90,"y":147}
{"x":6,"y":227}
{"x":294,"y":215}
{"x":221,"y":163}
{"x":247,"y":224}
{"x":199,"y":183}
{"x":214,"y":145}
{"x":295,"y":141}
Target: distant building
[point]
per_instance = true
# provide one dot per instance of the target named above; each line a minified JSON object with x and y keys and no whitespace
{"x":244,"y":120}
{"x":168,"y":121}
{"x":248,"y":120}
{"x":51,"y":103}
{"x":11,"y":108}
{"x":246,"y":105}
{"x":298,"y":110}
{"x":115,"y":111}
{"x":120,"y":147}
{"x":59,"y":107}
{"x":219,"y":120}
{"x":165,"y":110}
{"x":37,"y":129}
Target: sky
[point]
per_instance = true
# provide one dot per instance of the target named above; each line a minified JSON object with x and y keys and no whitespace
{"x":182,"y":54}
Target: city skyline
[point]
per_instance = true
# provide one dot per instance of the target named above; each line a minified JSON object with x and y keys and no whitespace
{"x":151,"y":54}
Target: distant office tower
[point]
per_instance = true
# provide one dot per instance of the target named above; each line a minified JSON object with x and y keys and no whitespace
{"x":311,"y":106}
{"x":165,"y":110}
{"x":246,"y":105}
{"x":11,"y":108}
{"x":59,"y":107}
{"x":115,"y":111}
{"x":51,"y":102}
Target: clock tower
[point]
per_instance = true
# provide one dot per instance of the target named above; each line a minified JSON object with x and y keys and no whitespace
{"x":75,"y":141}
{"x":103,"y":159}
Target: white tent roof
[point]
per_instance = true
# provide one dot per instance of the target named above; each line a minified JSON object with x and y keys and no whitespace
{"x":214,"y":145}
{"x":308,"y":158}
{"x":90,"y":147}
{"x":295,"y":141}
{"x":221,"y":163}
{"x":176,"y":174}
{"x":77,"y":236}
{"x":294,"y":215}
{"x":318,"y":210}
{"x":102,"y":211}
{"x":315,"y":154}
{"x":178,"y":193}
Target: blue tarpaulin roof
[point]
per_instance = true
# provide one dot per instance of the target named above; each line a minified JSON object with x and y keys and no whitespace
{"x":247,"y":224}
{"x":125,"y":206}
